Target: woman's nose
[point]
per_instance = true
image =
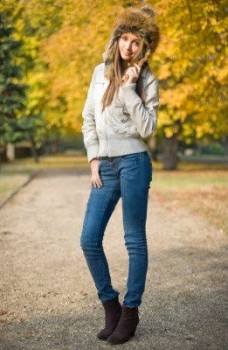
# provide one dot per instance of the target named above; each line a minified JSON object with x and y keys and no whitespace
{"x":128,"y":45}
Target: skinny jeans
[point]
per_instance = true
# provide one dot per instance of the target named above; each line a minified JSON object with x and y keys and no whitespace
{"x":127,"y":177}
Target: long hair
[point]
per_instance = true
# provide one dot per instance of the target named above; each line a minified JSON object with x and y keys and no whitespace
{"x":115,"y":69}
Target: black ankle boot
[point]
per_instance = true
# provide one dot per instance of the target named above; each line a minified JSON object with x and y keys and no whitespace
{"x":112,"y":315}
{"x":126,"y":326}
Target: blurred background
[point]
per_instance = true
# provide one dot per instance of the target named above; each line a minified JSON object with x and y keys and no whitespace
{"x":48,"y":51}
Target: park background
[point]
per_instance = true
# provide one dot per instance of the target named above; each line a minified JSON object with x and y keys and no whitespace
{"x":48,"y":52}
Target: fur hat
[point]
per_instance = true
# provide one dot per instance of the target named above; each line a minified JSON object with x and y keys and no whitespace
{"x":140,"y":22}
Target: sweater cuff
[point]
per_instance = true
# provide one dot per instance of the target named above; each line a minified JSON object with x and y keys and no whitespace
{"x":92,"y":152}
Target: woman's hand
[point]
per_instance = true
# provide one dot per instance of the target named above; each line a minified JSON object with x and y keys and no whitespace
{"x":132,"y":74}
{"x":95,"y":177}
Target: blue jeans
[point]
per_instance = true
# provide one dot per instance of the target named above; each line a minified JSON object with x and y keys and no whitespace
{"x":128,"y":177}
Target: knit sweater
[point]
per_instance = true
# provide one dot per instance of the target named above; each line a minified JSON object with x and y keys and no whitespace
{"x":121,"y":127}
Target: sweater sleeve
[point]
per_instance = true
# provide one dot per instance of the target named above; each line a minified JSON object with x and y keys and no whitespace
{"x":142,"y":113}
{"x":90,"y":136}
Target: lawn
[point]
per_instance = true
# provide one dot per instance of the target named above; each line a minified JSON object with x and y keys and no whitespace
{"x":200,"y":187}
{"x":15,"y":174}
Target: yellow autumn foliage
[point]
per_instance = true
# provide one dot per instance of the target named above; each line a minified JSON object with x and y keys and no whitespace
{"x":69,"y":36}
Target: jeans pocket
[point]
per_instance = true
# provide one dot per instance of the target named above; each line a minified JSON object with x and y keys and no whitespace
{"x":134,"y":157}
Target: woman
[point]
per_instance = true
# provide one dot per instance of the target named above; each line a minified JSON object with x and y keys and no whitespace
{"x":120,"y":109}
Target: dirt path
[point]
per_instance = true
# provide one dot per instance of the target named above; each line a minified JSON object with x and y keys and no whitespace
{"x":48,"y":300}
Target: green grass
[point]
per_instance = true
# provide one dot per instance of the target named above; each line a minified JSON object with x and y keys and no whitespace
{"x":14,"y":174}
{"x":203,"y":192}
{"x":200,"y":187}
{"x":186,"y":180}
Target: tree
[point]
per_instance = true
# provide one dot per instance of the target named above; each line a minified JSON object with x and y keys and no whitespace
{"x":65,"y":39}
{"x":191,"y":64}
{"x":30,"y":123}
{"x":12,"y":92}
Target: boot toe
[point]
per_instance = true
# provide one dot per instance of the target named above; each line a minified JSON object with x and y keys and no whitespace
{"x":102,"y":335}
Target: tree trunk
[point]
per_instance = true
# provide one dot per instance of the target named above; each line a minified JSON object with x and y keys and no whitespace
{"x":10,"y":151}
{"x":170,"y":159}
{"x":152,"y":146}
{"x":225,"y":144}
{"x":34,"y":151}
{"x":3,"y":157}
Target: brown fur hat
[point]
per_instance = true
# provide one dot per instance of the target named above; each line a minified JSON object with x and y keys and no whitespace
{"x":140,"y":22}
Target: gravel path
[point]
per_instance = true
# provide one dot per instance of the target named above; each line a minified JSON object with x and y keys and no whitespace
{"x":48,"y":300}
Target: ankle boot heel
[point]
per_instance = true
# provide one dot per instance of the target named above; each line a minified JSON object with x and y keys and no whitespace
{"x":126,"y":326}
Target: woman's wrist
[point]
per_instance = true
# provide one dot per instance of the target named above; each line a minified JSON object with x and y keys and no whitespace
{"x":93,"y":159}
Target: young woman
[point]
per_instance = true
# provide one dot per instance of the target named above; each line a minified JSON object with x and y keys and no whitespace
{"x":120,"y":110}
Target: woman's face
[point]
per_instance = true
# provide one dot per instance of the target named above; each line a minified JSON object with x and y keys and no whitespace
{"x":130,"y":46}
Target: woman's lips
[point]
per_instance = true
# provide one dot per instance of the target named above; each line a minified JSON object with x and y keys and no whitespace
{"x":127,"y":54}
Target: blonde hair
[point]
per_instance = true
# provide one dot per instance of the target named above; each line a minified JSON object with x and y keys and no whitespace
{"x":114,"y":71}
{"x":139,"y":21}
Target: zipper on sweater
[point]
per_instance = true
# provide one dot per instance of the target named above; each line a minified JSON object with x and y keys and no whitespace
{"x":105,"y":85}
{"x":106,"y":137}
